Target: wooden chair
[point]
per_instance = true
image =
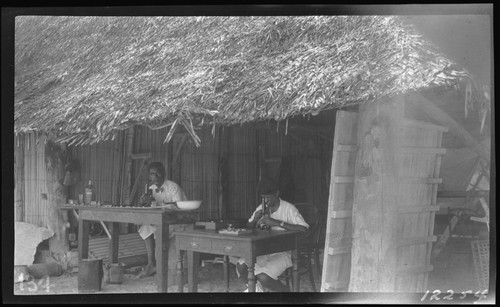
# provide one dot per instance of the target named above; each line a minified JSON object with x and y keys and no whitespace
{"x":309,"y":245}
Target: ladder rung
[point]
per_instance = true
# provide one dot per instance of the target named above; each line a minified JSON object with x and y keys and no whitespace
{"x":425,"y":125}
{"x":418,"y":209}
{"x":335,"y":285}
{"x":424,"y":150}
{"x":416,"y":269}
{"x":338,"y":214}
{"x":339,"y":250}
{"x":343,"y":179}
{"x":416,"y":240}
{"x":423,"y":180}
{"x":346,"y":147}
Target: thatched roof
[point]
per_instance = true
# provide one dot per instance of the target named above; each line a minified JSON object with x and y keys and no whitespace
{"x":85,"y":78}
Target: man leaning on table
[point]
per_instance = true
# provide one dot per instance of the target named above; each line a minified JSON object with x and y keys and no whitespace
{"x":163,"y":191}
{"x":283,"y":216}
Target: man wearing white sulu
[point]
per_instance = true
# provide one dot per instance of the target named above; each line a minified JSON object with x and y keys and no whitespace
{"x":162,"y":191}
{"x":278,"y":215}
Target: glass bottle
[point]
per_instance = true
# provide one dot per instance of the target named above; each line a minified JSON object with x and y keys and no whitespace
{"x":89,"y":193}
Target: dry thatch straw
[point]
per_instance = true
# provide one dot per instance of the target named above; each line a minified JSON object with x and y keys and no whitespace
{"x":85,"y":78}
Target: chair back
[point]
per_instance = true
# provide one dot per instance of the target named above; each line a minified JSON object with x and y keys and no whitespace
{"x":311,"y":215}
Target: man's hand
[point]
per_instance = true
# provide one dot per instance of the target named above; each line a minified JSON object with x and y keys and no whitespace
{"x":268,"y":221}
{"x":144,"y":200}
{"x":258,"y":216}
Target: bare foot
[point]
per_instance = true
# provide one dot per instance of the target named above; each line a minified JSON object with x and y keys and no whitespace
{"x":149,"y":270}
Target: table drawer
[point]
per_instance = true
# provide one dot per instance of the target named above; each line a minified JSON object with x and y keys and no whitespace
{"x":228,"y":248}
{"x":195,"y":244}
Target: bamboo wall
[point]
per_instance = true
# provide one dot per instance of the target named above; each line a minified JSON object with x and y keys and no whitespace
{"x":223,"y":172}
{"x":199,"y":172}
{"x":149,"y":141}
{"x":35,"y":187}
{"x":100,"y":163}
{"x":242,"y":172}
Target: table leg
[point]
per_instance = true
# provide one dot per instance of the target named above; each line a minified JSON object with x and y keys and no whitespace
{"x":251,"y":274}
{"x":114,"y":242}
{"x":193,"y":261}
{"x":225,"y":266}
{"x":161,"y":255}
{"x":180,"y":281}
{"x":83,"y":239}
{"x":295,"y":270}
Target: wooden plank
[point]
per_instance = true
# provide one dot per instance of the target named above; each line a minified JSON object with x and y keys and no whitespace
{"x":417,"y":209}
{"x":339,"y":250}
{"x":144,"y":155}
{"x":343,"y":179}
{"x":421,"y":180}
{"x":346,"y":148}
{"x":415,"y":269}
{"x":424,"y":125}
{"x":336,"y":269}
{"x":423,"y":150}
{"x":463,"y":194}
{"x":339,"y":214}
{"x":416,"y":241}
{"x":376,"y":186}
{"x":336,"y":285}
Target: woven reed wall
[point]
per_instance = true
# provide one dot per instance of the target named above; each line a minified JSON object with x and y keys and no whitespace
{"x":199,"y":171}
{"x":100,"y":163}
{"x":242,"y":171}
{"x":306,"y":154}
{"x":149,"y":141}
{"x":35,"y":180}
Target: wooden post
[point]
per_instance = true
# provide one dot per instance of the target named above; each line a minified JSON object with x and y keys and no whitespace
{"x":129,"y":143}
{"x":127,"y":174}
{"x":176,"y":161}
{"x":57,"y":219}
{"x":19,"y":178}
{"x":373,"y":264}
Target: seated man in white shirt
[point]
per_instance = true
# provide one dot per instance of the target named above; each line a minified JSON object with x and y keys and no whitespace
{"x":282,"y":216}
{"x":163,"y":191}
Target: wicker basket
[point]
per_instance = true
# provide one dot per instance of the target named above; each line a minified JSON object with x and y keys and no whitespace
{"x":481,"y":258}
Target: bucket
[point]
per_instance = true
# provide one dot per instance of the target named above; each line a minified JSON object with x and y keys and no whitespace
{"x":90,"y":275}
{"x":113,"y":273}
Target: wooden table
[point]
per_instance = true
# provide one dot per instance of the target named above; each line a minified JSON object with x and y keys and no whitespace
{"x":159,"y":217}
{"x":249,"y":246}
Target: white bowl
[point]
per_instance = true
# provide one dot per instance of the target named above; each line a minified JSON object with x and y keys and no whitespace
{"x":188,"y":204}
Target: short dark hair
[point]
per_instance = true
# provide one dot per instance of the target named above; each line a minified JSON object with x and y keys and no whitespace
{"x":267,"y":186}
{"x":158,"y":166}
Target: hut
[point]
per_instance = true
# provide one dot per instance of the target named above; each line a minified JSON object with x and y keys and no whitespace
{"x":346,"y":112}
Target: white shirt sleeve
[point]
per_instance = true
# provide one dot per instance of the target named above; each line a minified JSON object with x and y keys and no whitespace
{"x":296,"y":218}
{"x":253,"y":214}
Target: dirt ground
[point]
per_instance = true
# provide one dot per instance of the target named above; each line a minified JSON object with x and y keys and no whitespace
{"x":452,"y":271}
{"x":210,"y":281}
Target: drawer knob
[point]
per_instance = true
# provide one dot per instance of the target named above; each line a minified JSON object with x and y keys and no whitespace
{"x":194,"y":244}
{"x":228,"y":248}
